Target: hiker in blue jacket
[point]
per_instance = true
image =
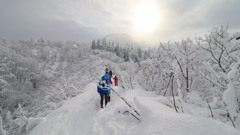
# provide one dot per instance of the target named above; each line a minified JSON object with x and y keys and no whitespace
{"x":103,"y":88}
{"x":107,"y":78}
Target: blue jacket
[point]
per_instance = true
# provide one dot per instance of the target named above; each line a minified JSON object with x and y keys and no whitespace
{"x":106,"y":78}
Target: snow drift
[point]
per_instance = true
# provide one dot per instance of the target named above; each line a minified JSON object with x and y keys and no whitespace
{"x":82,"y":115}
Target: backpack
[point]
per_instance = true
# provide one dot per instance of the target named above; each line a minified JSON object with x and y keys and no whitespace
{"x":102,"y":87}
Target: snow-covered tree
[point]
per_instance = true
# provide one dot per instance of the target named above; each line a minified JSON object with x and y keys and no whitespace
{"x":222,"y":65}
{"x":219,"y":45}
{"x":2,"y":132}
{"x":126,"y":56}
{"x":185,"y":56}
{"x":117,"y":51}
{"x":94,"y":45}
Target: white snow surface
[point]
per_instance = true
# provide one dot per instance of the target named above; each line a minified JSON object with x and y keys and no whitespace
{"x":82,"y":115}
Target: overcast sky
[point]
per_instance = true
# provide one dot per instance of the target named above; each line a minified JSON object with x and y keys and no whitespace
{"x":84,"y":20}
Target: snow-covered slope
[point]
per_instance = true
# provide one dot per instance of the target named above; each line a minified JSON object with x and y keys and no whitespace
{"x":82,"y":116}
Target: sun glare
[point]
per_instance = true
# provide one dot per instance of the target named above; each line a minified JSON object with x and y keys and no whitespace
{"x":146,"y":18}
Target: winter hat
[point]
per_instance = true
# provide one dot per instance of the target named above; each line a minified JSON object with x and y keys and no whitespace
{"x":106,"y":70}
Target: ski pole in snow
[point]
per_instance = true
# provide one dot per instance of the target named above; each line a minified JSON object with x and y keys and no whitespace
{"x":125,"y":101}
{"x":127,"y":104}
{"x":135,"y":116}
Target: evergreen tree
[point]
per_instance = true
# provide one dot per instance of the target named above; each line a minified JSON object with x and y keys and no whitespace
{"x":98,"y":44}
{"x":94,"y":46}
{"x":139,"y":52}
{"x":126,"y":56}
{"x":104,"y":44}
{"x":117,"y":51}
{"x":145,"y":56}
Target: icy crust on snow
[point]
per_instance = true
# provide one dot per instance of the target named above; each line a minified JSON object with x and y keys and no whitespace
{"x":82,"y":116}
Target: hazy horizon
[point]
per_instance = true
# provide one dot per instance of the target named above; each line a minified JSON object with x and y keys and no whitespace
{"x":143,"y":20}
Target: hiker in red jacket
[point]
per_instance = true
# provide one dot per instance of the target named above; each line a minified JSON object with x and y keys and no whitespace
{"x":115,"y":80}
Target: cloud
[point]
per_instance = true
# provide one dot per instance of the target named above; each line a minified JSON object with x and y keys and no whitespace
{"x":89,"y":19}
{"x":225,"y":12}
{"x":26,"y":19}
{"x":211,"y":14}
{"x":188,"y":18}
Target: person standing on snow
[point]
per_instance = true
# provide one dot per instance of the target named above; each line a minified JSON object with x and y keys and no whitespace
{"x":107,"y":78}
{"x":115,"y":80}
{"x":110,"y":73}
{"x":102,"y":89}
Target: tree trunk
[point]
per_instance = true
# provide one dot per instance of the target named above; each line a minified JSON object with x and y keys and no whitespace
{"x":174,"y":102}
{"x":187,"y":77}
{"x":187,"y":80}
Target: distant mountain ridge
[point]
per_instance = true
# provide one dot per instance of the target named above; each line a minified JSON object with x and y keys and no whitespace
{"x":119,"y":38}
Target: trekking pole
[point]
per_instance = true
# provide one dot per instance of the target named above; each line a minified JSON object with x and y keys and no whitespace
{"x":128,"y":106}
{"x":125,"y":101}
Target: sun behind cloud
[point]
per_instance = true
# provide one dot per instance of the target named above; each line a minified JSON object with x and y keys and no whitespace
{"x":146,"y":18}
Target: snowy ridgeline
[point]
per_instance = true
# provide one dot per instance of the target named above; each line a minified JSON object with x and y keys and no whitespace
{"x":208,"y":68}
{"x":38,"y":76}
{"x":82,"y":115}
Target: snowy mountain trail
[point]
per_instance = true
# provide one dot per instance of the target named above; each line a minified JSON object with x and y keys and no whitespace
{"x":82,"y":115}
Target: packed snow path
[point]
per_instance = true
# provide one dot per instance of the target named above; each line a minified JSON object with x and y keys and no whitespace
{"x":82,"y":116}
